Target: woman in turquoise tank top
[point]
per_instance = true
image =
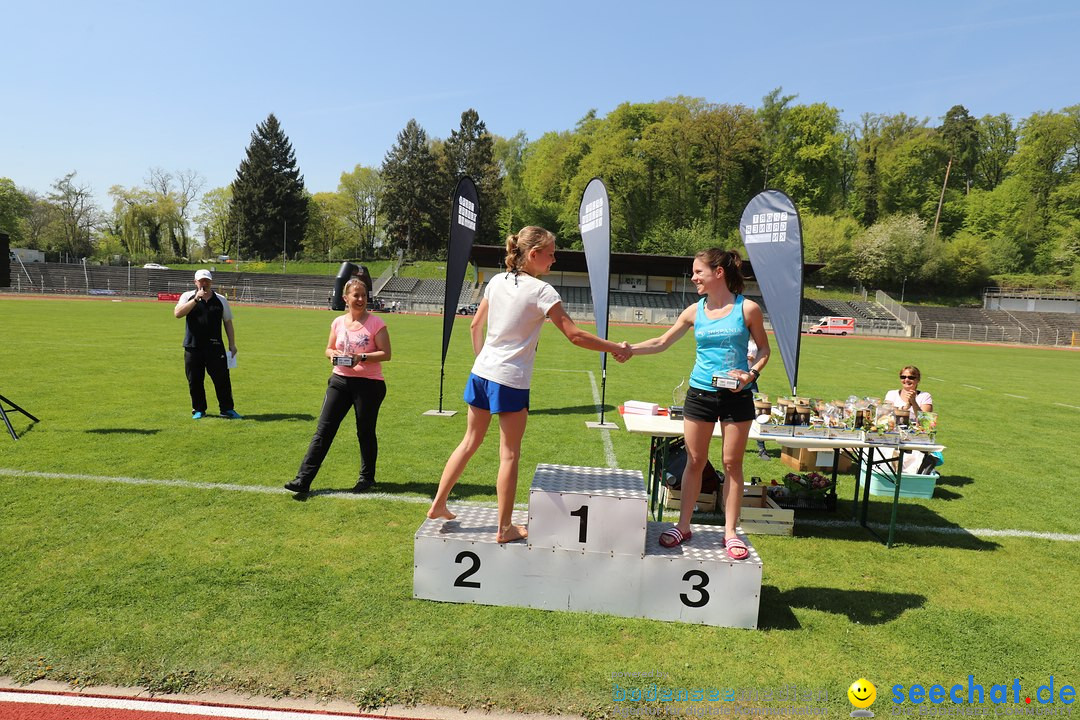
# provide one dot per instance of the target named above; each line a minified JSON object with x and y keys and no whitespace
{"x":723,"y":321}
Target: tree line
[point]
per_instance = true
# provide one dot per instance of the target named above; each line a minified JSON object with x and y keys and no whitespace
{"x":889,"y":201}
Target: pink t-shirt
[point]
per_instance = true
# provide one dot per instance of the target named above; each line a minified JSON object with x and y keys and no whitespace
{"x":355,"y":342}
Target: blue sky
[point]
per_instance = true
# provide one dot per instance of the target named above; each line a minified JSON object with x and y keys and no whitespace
{"x":112,"y":89}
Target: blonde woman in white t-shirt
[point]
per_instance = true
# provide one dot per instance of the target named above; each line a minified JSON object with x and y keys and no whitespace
{"x":513,"y":309}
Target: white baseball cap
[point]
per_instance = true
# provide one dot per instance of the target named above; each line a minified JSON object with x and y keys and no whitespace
{"x":203,"y":275}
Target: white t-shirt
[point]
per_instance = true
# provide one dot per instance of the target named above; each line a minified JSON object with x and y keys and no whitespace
{"x":517,"y":307}
{"x":921,"y":398}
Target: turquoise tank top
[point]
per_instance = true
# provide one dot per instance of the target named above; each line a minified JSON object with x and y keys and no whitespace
{"x":721,"y":344}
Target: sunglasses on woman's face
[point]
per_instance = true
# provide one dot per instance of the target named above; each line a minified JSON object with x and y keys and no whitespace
{"x":908,"y":377}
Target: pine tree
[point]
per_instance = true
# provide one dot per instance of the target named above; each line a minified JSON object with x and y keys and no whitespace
{"x":413,"y":198}
{"x":470,"y":150}
{"x":269,"y":205}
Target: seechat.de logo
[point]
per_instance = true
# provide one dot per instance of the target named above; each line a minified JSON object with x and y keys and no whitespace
{"x":862,"y":694}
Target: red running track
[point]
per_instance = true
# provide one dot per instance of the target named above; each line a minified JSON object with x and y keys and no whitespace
{"x":37,"y":705}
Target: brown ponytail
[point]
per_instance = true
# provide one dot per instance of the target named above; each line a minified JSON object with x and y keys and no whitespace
{"x":526,"y":239}
{"x":731,"y":263}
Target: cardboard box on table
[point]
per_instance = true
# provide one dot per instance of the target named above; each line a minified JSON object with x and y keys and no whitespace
{"x":806,"y":459}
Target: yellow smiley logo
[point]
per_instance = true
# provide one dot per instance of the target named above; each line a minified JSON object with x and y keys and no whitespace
{"x":862,"y":693}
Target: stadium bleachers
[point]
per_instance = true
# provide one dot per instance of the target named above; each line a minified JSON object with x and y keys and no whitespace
{"x":1045,"y":328}
{"x":997,"y":325}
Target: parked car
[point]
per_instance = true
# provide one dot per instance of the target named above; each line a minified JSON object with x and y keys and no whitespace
{"x":467,"y":309}
{"x":155,"y":266}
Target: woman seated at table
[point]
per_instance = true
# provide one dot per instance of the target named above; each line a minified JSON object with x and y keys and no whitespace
{"x":909,"y":397}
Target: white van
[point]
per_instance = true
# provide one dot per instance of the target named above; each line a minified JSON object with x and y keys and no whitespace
{"x":834,"y":326}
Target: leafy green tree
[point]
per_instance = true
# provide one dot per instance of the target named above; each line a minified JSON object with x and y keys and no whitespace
{"x":830,"y":239}
{"x":611,"y":149}
{"x":269,"y":201}
{"x":960,"y":132}
{"x":37,"y":225}
{"x":669,"y":150}
{"x":911,"y":170}
{"x":413,"y":194}
{"x":728,"y":162}
{"x":997,"y":144}
{"x":76,"y":214}
{"x":329,"y":230}
{"x":807,"y":157}
{"x":544,"y":181}
{"x":176,"y":194}
{"x":664,"y":239}
{"x":1007,"y":220}
{"x":15,"y":207}
{"x":960,"y":263}
{"x":877,"y":137}
{"x":215,"y":210}
{"x":1040,"y":155}
{"x":470,"y":150}
{"x":139,"y":220}
{"x":773,"y":117}
{"x":361,"y":193}
{"x":514,"y":206}
{"x":890,"y":251}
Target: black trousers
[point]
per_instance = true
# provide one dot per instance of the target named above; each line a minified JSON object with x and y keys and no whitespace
{"x":200,"y":361}
{"x":363,"y":395}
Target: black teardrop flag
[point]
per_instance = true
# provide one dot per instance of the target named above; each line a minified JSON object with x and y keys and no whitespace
{"x":463,"y":214}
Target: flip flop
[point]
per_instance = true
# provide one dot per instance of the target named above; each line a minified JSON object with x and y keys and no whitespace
{"x":736,"y":548}
{"x":673,"y":537}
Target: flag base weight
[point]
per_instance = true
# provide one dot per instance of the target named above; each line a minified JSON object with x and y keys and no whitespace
{"x":442,"y":413}
{"x":601,"y":425}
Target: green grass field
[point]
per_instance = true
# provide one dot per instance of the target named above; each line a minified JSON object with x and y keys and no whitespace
{"x":198,"y":584}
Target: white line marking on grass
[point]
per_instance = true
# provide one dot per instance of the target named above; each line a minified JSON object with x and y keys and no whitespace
{"x":232,"y":487}
{"x":609,"y":450}
{"x":983,"y":532}
{"x":1068,"y":406}
{"x":1018,"y":397}
{"x":347,"y":495}
{"x":973,"y":387}
{"x":170,"y":707}
{"x":935,"y":379}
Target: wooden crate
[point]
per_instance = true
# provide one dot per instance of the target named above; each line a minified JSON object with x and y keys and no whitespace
{"x":761,"y":515}
{"x":672,"y":500}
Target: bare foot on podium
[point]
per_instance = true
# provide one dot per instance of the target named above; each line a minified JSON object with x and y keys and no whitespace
{"x":442,"y":512}
{"x":511,"y":533}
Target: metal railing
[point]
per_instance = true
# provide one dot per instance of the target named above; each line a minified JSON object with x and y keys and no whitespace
{"x":910,"y":319}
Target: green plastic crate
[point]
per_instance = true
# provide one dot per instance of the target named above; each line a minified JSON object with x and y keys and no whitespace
{"x":912,"y":486}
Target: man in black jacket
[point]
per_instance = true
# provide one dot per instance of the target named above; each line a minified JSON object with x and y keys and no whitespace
{"x":205,"y":312}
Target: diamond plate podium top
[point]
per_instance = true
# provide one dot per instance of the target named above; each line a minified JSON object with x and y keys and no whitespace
{"x":605,"y":482}
{"x":706,"y":544}
{"x":472,"y":524}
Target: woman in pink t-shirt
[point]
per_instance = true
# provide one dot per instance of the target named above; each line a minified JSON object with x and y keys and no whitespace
{"x":358,"y":346}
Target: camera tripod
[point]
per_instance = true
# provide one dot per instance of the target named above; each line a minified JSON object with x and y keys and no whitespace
{"x":14,"y":408}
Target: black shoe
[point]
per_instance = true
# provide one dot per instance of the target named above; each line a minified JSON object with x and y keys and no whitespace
{"x":363,"y":486}
{"x":297,"y":486}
